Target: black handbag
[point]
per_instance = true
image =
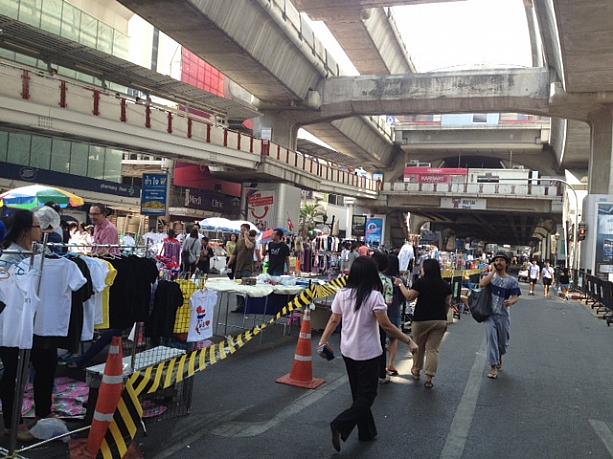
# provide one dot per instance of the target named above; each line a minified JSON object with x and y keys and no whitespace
{"x":481,"y":303}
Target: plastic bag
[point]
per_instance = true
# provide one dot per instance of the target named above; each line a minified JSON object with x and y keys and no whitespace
{"x":481,"y":303}
{"x":48,"y":428}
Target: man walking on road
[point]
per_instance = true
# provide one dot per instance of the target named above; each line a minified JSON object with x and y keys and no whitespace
{"x":505,"y":293}
{"x":534,"y":272}
{"x":547,"y":275}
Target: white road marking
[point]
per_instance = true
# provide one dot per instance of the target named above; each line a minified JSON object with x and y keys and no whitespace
{"x":463,"y":418}
{"x":605,"y":434}
{"x":238,"y":429}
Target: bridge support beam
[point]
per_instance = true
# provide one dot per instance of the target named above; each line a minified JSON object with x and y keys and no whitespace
{"x":278,"y":129}
{"x":601,"y":152}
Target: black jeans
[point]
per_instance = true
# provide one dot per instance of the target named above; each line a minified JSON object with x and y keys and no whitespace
{"x":363,"y":376}
{"x":44,"y":362}
{"x":383,"y":358}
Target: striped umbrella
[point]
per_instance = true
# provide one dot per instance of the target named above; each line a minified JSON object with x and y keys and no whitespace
{"x":35,"y":196}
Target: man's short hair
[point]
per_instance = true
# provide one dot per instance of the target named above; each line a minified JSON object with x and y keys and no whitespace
{"x":245,"y":225}
{"x":101,"y":208}
{"x":279,"y":232}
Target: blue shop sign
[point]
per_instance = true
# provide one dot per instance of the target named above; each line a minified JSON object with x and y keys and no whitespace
{"x":154,"y":197}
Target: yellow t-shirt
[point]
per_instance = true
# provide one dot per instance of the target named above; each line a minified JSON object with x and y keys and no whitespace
{"x":184,"y":313}
{"x":110,"y":278}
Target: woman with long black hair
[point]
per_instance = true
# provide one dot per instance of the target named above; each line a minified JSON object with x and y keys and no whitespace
{"x":433,"y":296}
{"x":361,"y":309}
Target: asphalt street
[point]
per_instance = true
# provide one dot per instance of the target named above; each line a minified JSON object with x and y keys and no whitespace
{"x":552,"y":400}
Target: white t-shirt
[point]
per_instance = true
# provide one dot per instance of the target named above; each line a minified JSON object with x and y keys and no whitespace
{"x":405,"y":256}
{"x":92,"y":308}
{"x":360,"y":330}
{"x":60,"y":277}
{"x":547,"y":273}
{"x":18,"y":293}
{"x":201,"y":320}
{"x":534,"y":271}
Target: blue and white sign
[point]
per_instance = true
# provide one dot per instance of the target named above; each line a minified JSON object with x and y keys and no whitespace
{"x":154,"y":197}
{"x":374,"y":232}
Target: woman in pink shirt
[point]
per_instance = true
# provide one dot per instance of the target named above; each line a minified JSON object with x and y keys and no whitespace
{"x":361,"y":308}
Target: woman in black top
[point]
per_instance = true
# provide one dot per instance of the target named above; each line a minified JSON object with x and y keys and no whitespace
{"x":433,"y":296}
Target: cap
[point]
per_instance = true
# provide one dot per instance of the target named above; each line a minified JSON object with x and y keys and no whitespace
{"x":502,"y":255}
{"x":48,"y":218}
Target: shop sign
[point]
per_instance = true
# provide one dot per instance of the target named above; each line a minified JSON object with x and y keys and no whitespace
{"x":374,"y":232}
{"x":432,"y":175}
{"x":47,"y":177}
{"x":260,"y":204}
{"x":464,"y":203}
{"x":604,"y":239}
{"x":358,"y":226}
{"x":154,"y":197}
{"x":211,"y":201}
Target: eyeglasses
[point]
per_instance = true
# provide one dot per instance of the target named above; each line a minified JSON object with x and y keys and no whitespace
{"x":95,"y":213}
{"x":35,"y":226}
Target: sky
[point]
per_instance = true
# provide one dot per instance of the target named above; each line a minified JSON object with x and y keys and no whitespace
{"x":455,"y":35}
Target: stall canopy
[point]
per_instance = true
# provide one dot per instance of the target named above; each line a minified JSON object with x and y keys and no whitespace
{"x":224,"y":225}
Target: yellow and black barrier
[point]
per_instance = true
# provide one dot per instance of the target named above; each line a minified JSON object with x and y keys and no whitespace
{"x":128,"y":415}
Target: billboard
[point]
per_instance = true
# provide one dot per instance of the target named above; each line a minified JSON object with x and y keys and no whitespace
{"x":154,"y":197}
{"x":358,"y":226}
{"x":261,"y":208}
{"x":434,"y":175}
{"x":374,"y":232}
{"x":604,"y":239}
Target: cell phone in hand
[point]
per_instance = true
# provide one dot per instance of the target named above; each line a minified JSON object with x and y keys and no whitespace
{"x":326,"y":353}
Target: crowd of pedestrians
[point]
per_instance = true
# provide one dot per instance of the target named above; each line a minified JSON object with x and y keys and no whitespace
{"x":369,"y":309}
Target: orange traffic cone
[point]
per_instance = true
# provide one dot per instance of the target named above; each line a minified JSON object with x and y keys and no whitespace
{"x":302,"y":369}
{"x":108,"y":396}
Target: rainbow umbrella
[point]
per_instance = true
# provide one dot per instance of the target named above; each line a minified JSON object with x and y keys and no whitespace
{"x":35,"y":196}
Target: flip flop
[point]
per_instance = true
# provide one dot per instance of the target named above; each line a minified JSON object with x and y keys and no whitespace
{"x":392,"y":371}
{"x":492,"y":375}
{"x":428,"y":385}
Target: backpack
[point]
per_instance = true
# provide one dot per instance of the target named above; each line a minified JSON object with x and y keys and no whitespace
{"x":481,"y":303}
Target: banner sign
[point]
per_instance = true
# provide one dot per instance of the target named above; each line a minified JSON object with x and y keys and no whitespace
{"x":464,"y":203}
{"x":260,"y":204}
{"x":208,"y":200}
{"x":604,"y":239}
{"x":154,"y":197}
{"x":432,"y":175}
{"x":374,"y":232}
{"x":358,"y":226}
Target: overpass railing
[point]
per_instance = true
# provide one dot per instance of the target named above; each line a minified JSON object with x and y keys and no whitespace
{"x":40,"y":88}
{"x":527,"y":190}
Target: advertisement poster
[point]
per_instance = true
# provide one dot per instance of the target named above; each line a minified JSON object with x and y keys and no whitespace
{"x":604,"y":239}
{"x":374,"y":232}
{"x":261,"y":209}
{"x":154,"y":196}
{"x":434,"y":175}
{"x":464,"y":203}
{"x":358,"y":226}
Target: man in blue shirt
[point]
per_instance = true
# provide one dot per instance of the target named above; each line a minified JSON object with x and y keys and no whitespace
{"x":505,"y":293}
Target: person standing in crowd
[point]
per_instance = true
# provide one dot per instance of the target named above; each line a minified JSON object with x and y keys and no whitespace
{"x":381,"y":261}
{"x":548,"y":276}
{"x":433,"y":296}
{"x":190,"y":251}
{"x":179,"y":230}
{"x":533,"y":273}
{"x":394,"y":312}
{"x":352,"y":256}
{"x":278,"y":254}
{"x":242,"y":259}
{"x":230,"y":249}
{"x":345,"y":256}
{"x":171,"y":248}
{"x":363,"y":251}
{"x":406,"y":258}
{"x":361,"y":309}
{"x":505,"y":293}
{"x":564,"y":282}
{"x":206,"y":254}
{"x":104,"y":231}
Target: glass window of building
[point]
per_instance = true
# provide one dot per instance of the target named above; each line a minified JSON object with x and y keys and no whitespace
{"x":29,"y":11}
{"x":89,"y":30}
{"x":60,"y":156}
{"x":9,"y":8}
{"x":19,"y":149}
{"x":51,"y":19}
{"x":71,"y":19}
{"x":40,"y":152}
{"x":105,"y":38}
{"x":112,"y":165}
{"x":95,"y":164}
{"x":79,"y":155}
{"x":4,"y":140}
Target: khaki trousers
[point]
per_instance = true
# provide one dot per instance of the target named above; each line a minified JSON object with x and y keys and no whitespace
{"x":428,"y":335}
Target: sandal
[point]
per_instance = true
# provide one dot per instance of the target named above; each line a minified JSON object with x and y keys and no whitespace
{"x":428,"y":384}
{"x":392,"y":371}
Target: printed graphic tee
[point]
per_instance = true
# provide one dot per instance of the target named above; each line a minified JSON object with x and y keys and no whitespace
{"x":203,"y":309}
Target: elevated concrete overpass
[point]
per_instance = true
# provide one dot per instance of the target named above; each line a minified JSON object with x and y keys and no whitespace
{"x":270,"y":50}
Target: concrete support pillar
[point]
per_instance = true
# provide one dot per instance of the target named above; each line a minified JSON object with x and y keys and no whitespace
{"x":278,"y":128}
{"x":601,"y":152}
{"x":349,"y":203}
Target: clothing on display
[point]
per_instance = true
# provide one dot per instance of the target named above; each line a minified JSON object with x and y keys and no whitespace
{"x":202,"y":305}
{"x":167,"y":299}
{"x":18,"y":295}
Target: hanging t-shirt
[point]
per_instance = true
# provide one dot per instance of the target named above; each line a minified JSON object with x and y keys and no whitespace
{"x":18,"y":295}
{"x":102,"y":317}
{"x":92,"y":308}
{"x":60,"y":277}
{"x":203,"y":304}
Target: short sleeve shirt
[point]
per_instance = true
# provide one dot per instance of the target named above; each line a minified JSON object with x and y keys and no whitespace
{"x":534,"y":271}
{"x":503,"y":288}
{"x":388,"y":289}
{"x":431,"y":302}
{"x":547,"y":273}
{"x":360,"y":330}
{"x":277,"y":253}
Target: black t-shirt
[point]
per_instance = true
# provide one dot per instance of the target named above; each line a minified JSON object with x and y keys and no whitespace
{"x":277,"y":253}
{"x":564,"y":279}
{"x":431,"y":302}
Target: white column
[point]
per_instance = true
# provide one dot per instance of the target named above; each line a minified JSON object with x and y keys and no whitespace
{"x":349,"y":202}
